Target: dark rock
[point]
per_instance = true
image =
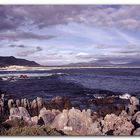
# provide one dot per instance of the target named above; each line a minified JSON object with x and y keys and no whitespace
{"x":104,"y":110}
{"x":110,"y":132}
{"x":59,"y":103}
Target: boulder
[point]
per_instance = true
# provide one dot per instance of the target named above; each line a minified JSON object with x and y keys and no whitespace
{"x":137,"y":132}
{"x":119,"y":125}
{"x":60,"y":120}
{"x":131,"y":109}
{"x":19,"y":113}
{"x":79,"y":121}
{"x":43,"y":111}
{"x":46,"y":115}
{"x":94,"y":129}
{"x":14,"y":113}
{"x":55,"y":112}
{"x":134,"y":101}
{"x":24,"y":114}
{"x":136,"y":117}
{"x":48,"y":118}
{"x":125,"y":115}
{"x":34,"y":120}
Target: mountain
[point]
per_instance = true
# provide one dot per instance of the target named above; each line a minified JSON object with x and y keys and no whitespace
{"x":9,"y":61}
{"x":135,"y":63}
{"x":104,"y":63}
{"x":98,"y":63}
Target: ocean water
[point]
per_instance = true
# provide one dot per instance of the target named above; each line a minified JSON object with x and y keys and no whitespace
{"x":78,"y":84}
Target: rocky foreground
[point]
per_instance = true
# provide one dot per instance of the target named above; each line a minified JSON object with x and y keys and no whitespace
{"x":58,"y":117}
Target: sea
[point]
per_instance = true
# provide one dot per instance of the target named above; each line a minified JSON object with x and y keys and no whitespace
{"x":76,"y":83}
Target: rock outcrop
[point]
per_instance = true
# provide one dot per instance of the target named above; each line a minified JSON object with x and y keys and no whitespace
{"x":119,"y":125}
{"x":137,"y":132}
{"x":73,"y":121}
{"x":20,"y":113}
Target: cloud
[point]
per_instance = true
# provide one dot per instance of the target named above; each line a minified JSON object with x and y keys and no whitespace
{"x":28,"y":52}
{"x":23,"y":35}
{"x":124,"y":17}
{"x":83,"y":55}
{"x":18,"y":46}
{"x":39,"y":49}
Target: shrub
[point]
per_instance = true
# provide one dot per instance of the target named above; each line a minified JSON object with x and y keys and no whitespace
{"x":33,"y":131}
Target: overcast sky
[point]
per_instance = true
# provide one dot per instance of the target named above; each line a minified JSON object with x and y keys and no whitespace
{"x":57,"y":35}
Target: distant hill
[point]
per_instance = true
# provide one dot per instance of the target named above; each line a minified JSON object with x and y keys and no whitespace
{"x":104,"y":63}
{"x":9,"y":61}
{"x":98,"y":63}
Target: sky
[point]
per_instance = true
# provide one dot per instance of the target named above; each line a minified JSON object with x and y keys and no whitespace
{"x":64,"y":34}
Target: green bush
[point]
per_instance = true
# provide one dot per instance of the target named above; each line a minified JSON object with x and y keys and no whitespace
{"x":32,"y":131}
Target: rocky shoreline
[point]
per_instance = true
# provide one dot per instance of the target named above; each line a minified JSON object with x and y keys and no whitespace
{"x":58,"y":116}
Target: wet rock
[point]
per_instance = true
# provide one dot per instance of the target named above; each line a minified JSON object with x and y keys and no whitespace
{"x":119,"y":125}
{"x":39,"y":102}
{"x":2,"y":104}
{"x":34,"y":108}
{"x":28,"y":104}
{"x":137,"y":132}
{"x":34,"y":104}
{"x":18,"y":103}
{"x":22,"y":102}
{"x":134,"y":101}
{"x":60,"y":120}
{"x":23,"y":77}
{"x":115,"y":109}
{"x":105,"y":100}
{"x":60,"y":103}
{"x":10,"y":103}
{"x":25,"y":103}
{"x":94,"y":129}
{"x":94,"y":116}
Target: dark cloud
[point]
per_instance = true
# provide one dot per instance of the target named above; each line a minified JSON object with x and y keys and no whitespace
{"x":23,"y":35}
{"x":28,"y":52}
{"x":129,"y":52}
{"x":39,"y":49}
{"x":9,"y":19}
{"x":13,"y":17}
{"x":18,"y":46}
